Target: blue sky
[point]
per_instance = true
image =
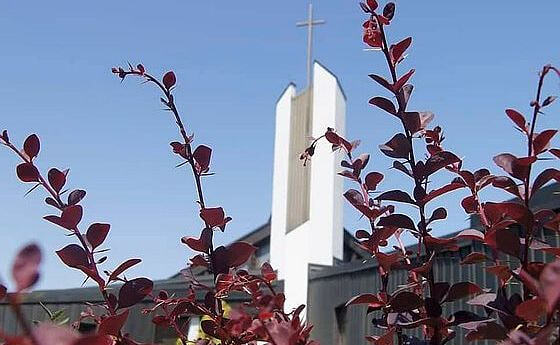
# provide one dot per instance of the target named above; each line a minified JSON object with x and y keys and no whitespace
{"x":232,"y":59}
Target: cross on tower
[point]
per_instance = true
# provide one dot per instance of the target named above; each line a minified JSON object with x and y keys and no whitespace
{"x":310,"y":23}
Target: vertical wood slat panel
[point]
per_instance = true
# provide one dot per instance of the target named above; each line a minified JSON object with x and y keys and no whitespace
{"x":299,"y":177}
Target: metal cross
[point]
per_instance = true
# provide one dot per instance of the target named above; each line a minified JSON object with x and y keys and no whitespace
{"x":310,"y":23}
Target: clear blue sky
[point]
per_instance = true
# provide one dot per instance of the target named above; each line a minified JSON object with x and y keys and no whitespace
{"x":232,"y":59}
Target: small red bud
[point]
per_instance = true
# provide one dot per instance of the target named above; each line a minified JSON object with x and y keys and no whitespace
{"x":372,"y":4}
{"x":169,"y":80}
{"x":389,"y":10}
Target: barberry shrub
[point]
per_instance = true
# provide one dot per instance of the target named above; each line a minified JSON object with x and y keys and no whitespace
{"x":531,"y":317}
{"x":261,"y":318}
{"x":508,"y":229}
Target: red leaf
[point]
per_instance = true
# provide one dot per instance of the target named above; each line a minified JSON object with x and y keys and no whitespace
{"x":389,"y":10}
{"x":332,"y":137}
{"x":439,"y":161}
{"x":474,"y":258}
{"x":202,"y":156}
{"x":339,"y":142}
{"x":443,"y":190}
{"x":397,"y":50}
{"x":504,"y":240}
{"x":112,"y":325}
{"x":214,"y":217}
{"x":502,"y":272}
{"x":25,"y":269}
{"x":179,"y":149}
{"x":27,"y":172}
{"x":123,"y":267}
{"x":384,"y":104}
{"x":134,"y":291}
{"x":517,"y":118}
{"x":201,"y":244}
{"x":544,"y":177}
{"x":397,"y":147}
{"x":372,"y":4}
{"x":515,"y":211}
{"x":555,"y":152}
{"x":526,"y":161}
{"x":510,"y":164}
{"x":76,"y":196}
{"x":396,"y":195}
{"x":372,"y":33}
{"x":198,"y":260}
{"x":354,"y":197}
{"x":169,"y":80}
{"x":31,"y":146}
{"x":367,"y":298}
{"x":372,"y":180}
{"x":402,"y":168}
{"x":481,"y":173}
{"x":239,"y":252}
{"x":507,"y":184}
{"x":462,"y":290}
{"x":97,"y":233}
{"x":73,"y":256}
{"x":542,"y":141}
{"x":470,"y":234}
{"x":417,"y":121}
{"x":267,"y":272}
{"x":397,"y":221}
{"x":439,"y":244}
{"x":469,"y":204}
{"x":57,"y":179}
{"x":70,"y":218}
{"x":405,"y":301}
{"x":382,"y":81}
{"x":439,"y":213}
{"x":402,"y":81}
{"x":531,"y":310}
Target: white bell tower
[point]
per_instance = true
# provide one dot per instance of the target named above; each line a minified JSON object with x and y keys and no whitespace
{"x":306,"y":222}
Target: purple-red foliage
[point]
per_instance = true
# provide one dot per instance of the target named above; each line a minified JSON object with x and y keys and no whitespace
{"x":420,"y":301}
{"x":262,"y":318}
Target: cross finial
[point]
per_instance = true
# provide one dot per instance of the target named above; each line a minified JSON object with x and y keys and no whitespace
{"x":310,"y":22}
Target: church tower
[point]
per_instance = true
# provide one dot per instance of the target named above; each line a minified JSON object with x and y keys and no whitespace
{"x":306,"y":223}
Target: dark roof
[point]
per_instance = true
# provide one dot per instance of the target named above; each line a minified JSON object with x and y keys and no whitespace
{"x":177,"y":286}
{"x":262,"y":233}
